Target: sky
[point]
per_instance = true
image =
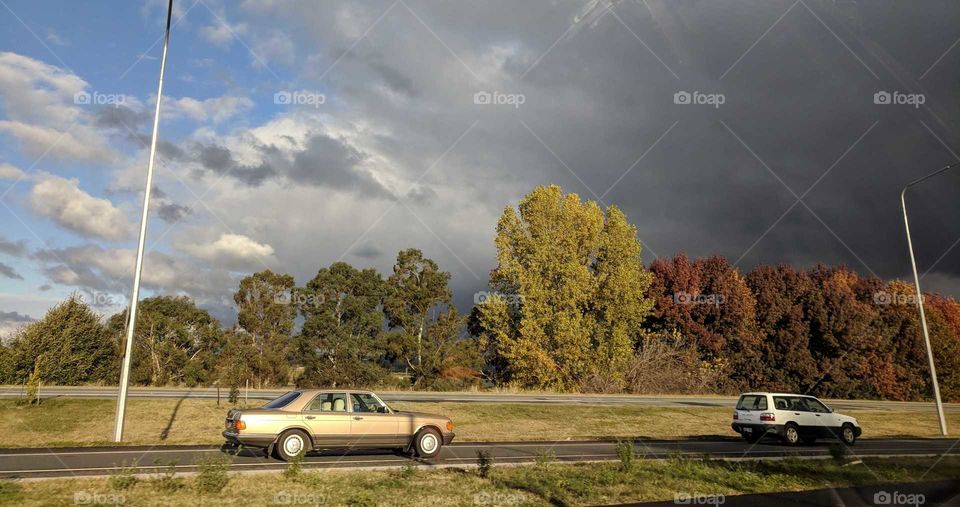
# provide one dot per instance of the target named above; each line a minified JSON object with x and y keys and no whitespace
{"x":294,"y":134}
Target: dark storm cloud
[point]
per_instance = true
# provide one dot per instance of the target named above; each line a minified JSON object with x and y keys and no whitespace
{"x":322,"y":161}
{"x":16,"y":248}
{"x":367,"y":251}
{"x":14,"y":317}
{"x":599,"y":118}
{"x":120,"y":117}
{"x":172,"y":212}
{"x":9,"y":272}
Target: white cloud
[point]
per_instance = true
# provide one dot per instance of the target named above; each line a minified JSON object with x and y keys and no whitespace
{"x":63,"y":201}
{"x":9,"y":172}
{"x":39,"y":141}
{"x":216,"y":109}
{"x":221,"y":33}
{"x":231,"y":250}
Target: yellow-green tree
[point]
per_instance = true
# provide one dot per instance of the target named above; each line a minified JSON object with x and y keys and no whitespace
{"x":569,"y":292}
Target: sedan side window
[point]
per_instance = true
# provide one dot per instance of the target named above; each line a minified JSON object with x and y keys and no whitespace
{"x":329,"y":402}
{"x":365,"y":403}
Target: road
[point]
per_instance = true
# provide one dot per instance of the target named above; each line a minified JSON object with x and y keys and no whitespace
{"x":469,"y":397}
{"x":35,"y":463}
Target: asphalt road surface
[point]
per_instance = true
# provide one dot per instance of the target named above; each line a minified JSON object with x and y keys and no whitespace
{"x":414,"y":396}
{"x":34,"y":463}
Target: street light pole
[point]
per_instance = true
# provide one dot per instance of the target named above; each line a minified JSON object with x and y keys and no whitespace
{"x":916,"y":281}
{"x":134,"y":298}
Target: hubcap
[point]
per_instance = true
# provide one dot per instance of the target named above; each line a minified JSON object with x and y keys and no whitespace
{"x":428,"y":443}
{"x":792,"y":435}
{"x":848,"y":434}
{"x":292,"y":445}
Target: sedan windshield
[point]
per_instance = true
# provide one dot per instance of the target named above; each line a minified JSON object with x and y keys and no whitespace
{"x":283,"y":400}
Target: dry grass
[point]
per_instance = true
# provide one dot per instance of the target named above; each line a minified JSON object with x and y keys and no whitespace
{"x":79,"y":422}
{"x":536,"y":485}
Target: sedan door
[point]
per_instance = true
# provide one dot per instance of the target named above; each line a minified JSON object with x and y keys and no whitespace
{"x":328,"y":420}
{"x":372,"y":424}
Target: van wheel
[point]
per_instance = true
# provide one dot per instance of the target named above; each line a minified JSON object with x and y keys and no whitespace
{"x":791,"y":434}
{"x":428,"y":443}
{"x":292,"y":445}
{"x":847,"y":435}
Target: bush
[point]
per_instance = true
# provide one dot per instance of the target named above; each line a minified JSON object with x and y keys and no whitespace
{"x":124,"y":479}
{"x":484,"y":463}
{"x":545,"y":457}
{"x":168,"y":482}
{"x":626,"y":454}
{"x":212,"y":475}
{"x":294,"y":468}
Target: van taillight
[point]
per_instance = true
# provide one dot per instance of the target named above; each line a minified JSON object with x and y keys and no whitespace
{"x":768,"y":416}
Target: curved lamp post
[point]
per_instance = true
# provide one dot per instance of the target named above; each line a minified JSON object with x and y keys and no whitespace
{"x":916,"y":281}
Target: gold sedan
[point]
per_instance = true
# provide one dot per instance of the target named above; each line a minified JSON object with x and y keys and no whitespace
{"x":310,"y":419}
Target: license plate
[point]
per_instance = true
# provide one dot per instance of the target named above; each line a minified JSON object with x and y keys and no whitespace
{"x":748,"y":430}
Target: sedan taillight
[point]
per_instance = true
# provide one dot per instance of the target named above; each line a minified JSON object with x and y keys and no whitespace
{"x":241,"y":425}
{"x":768,"y":416}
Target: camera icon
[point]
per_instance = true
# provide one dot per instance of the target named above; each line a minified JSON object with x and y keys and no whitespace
{"x":882,"y":298}
{"x":682,"y":97}
{"x":482,"y":98}
{"x":81,"y":98}
{"x":881,"y":97}
{"x":882,"y":498}
{"x":282,"y":98}
{"x":480,"y":297}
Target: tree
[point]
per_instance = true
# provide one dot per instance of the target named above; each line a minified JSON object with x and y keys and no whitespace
{"x":342,"y":340}
{"x":266,"y":312}
{"x":944,"y":321}
{"x":418,"y":287}
{"x":570,"y":291}
{"x":175,"y":341}
{"x":73,"y":344}
{"x":781,"y":295}
{"x":708,"y":300}
{"x":237,"y":362}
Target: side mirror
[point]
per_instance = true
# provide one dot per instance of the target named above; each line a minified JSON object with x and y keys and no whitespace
{"x":382,"y":409}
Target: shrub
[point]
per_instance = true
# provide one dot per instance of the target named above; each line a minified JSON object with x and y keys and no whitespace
{"x":626,"y":454}
{"x":294,"y":468}
{"x":545,"y":457}
{"x":168,"y":482}
{"x":484,"y":463}
{"x":124,"y":479}
{"x":212,"y":475}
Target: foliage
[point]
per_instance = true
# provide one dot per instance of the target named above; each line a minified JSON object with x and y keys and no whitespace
{"x":569,"y":288}
{"x":124,"y":478}
{"x":266,"y":311}
{"x":168,"y":482}
{"x":294,"y":468}
{"x":68,"y":346}
{"x":626,"y":454}
{"x":212,"y":475}
{"x":173,"y":337}
{"x":484,"y":463}
{"x":342,"y":342}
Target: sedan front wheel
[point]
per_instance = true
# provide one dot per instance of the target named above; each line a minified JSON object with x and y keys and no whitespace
{"x":428,"y":443}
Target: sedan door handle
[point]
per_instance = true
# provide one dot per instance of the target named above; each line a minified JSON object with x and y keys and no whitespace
{"x":310,"y":417}
{"x":357,"y":418}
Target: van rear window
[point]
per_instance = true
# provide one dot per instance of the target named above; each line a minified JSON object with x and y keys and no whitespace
{"x":752,"y":402}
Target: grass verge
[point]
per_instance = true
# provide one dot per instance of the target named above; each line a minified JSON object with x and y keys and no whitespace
{"x":543,"y":484}
{"x":65,"y":422}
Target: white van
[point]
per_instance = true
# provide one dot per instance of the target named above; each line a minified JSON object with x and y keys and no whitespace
{"x":791,"y":417}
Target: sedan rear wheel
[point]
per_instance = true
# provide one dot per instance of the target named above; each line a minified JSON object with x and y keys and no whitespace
{"x":428,"y":443}
{"x":292,"y":445}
